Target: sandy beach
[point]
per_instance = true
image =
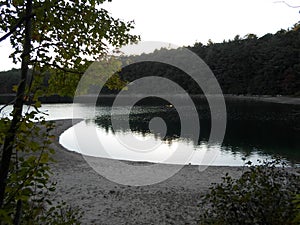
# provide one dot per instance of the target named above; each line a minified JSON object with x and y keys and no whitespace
{"x":173,"y":201}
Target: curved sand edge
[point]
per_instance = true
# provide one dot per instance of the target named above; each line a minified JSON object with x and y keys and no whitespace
{"x":173,"y":201}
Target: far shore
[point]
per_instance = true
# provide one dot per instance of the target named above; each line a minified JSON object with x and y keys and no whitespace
{"x":268,"y":98}
{"x":173,"y":201}
{"x":107,"y":99}
{"x":291,"y":100}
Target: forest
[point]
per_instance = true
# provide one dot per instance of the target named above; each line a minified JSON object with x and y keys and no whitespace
{"x":268,"y":65}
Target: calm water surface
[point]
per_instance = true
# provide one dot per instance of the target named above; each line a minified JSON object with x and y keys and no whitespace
{"x":245,"y":139}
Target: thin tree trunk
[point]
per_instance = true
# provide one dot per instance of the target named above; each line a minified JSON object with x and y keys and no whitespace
{"x":18,"y":106}
{"x":17,"y":219}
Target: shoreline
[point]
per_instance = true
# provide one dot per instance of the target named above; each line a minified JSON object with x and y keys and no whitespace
{"x":108,"y":98}
{"x":267,"y":98}
{"x":174,"y":200}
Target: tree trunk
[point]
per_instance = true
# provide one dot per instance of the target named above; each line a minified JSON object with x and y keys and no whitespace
{"x":18,"y":105}
{"x":17,"y":219}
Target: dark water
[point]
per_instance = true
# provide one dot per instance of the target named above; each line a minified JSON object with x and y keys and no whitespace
{"x":255,"y":130}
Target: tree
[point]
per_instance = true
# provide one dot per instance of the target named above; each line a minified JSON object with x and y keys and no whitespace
{"x":237,"y":38}
{"x":250,"y":36}
{"x":46,"y":38}
{"x":210,"y":42}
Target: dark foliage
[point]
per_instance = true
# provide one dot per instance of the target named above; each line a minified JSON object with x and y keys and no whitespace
{"x":269,"y":65}
{"x":264,"y":194}
{"x":8,"y":79}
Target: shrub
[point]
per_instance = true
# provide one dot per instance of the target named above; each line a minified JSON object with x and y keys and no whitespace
{"x":28,"y":194}
{"x":264,"y":194}
{"x":297,"y":209}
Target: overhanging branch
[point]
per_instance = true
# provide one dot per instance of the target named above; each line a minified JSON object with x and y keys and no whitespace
{"x":284,"y":2}
{"x":61,"y":68}
{"x":15,"y":27}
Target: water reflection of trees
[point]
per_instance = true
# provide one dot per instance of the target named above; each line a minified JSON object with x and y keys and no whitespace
{"x":139,"y":123}
{"x":243,"y":137}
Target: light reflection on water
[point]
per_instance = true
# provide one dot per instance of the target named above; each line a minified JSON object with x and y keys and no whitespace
{"x":64,"y":111}
{"x":160,"y":154}
{"x":242,"y":143}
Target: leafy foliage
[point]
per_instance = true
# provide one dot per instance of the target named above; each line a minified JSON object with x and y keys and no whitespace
{"x":28,"y":182}
{"x":46,"y":38}
{"x":262,"y":195}
{"x":73,"y":44}
{"x":99,"y":74}
{"x":297,"y":209}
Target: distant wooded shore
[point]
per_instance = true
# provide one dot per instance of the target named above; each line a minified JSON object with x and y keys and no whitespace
{"x":107,"y":99}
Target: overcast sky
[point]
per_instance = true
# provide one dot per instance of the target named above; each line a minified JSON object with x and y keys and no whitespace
{"x":183,"y":22}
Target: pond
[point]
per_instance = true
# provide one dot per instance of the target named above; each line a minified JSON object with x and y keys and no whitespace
{"x":255,"y":131}
{"x":270,"y":131}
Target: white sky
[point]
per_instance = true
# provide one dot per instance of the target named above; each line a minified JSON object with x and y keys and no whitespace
{"x":185,"y":22}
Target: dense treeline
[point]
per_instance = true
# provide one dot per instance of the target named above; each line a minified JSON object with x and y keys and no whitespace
{"x":269,"y":65}
{"x":8,"y":79}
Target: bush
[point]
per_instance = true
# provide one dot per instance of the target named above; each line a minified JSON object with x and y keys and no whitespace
{"x":28,"y":194}
{"x":297,"y":209}
{"x":264,"y":194}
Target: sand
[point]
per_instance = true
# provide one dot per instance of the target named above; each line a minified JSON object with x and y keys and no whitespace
{"x":173,"y":201}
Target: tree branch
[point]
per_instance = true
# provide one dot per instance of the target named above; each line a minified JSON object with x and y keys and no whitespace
{"x":284,"y":2}
{"x":18,"y":106}
{"x":61,"y":68}
{"x":7,"y":104}
{"x":14,"y":28}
